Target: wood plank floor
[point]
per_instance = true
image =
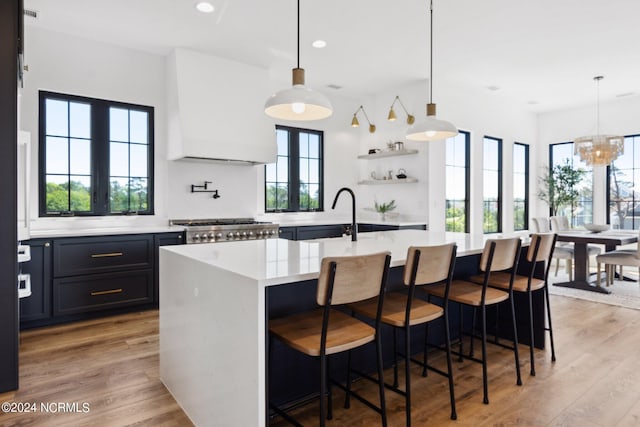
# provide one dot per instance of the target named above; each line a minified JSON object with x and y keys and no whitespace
{"x":112,"y":364}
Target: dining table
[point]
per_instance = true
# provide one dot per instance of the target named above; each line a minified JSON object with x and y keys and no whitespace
{"x":580,"y":239}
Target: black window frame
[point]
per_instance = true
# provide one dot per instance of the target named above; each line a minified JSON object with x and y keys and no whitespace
{"x":294,"y":171}
{"x":499,"y":200}
{"x":526,"y":188}
{"x":635,"y":224}
{"x":467,"y":180}
{"x":100,"y":155}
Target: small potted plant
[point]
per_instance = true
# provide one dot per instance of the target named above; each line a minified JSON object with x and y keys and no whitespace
{"x":383,"y":208}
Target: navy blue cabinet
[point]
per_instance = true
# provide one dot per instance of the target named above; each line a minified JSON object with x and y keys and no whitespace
{"x":38,"y":305}
{"x":164,"y":239}
{"x":289,"y":233}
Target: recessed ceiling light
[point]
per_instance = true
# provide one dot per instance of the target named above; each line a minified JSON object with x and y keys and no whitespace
{"x":319,"y":44}
{"x":334,"y":86}
{"x":205,"y":7}
{"x":532,"y":102}
{"x":493,"y":88}
{"x":622,"y":95}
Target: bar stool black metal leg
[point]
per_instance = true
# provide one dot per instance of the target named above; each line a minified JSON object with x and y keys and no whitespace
{"x":515,"y":340}
{"x":347,"y":397}
{"x":329,"y":394}
{"x":473,"y":330}
{"x":531,"y":339}
{"x":323,"y":388}
{"x":485,"y":386}
{"x":460,"y":332}
{"x":553,"y":350}
{"x":383,"y":405}
{"x":454,"y":415}
{"x":395,"y":359}
{"x":426,"y":348}
{"x":407,"y":374}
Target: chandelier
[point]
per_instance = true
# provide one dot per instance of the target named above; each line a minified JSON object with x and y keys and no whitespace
{"x":598,"y":150}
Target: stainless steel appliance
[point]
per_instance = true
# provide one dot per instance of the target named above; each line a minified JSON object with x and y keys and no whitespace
{"x":226,"y":229}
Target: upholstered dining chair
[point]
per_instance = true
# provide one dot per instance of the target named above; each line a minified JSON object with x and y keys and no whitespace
{"x":561,"y":223}
{"x":562,"y":251}
{"x":326,"y":331}
{"x":621,"y":257}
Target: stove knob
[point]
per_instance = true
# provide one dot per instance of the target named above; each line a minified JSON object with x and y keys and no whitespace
{"x":272,"y":232}
{"x":251,"y":234}
{"x":260,"y":234}
{"x":237,"y":234}
{"x":212,"y":236}
{"x":218,"y":236}
{"x":244,"y":234}
{"x":196,"y":237}
{"x":230,"y":236}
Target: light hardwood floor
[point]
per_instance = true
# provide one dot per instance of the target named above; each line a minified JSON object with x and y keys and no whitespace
{"x":112,"y":363}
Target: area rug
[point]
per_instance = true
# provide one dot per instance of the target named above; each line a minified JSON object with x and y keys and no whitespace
{"x":623,"y":293}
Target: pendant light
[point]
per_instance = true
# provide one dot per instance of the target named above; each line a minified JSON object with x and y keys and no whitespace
{"x":431,"y":128}
{"x":598,"y":150}
{"x":298,"y":102}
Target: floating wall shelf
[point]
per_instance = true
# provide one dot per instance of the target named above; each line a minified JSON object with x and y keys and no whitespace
{"x":383,"y":154}
{"x":388,"y":181}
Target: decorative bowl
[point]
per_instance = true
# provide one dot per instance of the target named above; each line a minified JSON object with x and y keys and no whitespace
{"x":596,"y":228}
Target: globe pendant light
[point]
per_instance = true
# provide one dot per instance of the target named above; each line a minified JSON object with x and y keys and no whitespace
{"x":298,"y":102}
{"x":430,"y":128}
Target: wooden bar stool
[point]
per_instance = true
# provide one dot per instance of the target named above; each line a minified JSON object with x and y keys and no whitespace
{"x":540,"y":250}
{"x":326,"y":330}
{"x":425,"y":265}
{"x":498,"y":255}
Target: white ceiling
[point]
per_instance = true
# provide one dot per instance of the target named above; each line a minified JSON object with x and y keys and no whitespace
{"x":541,"y":54}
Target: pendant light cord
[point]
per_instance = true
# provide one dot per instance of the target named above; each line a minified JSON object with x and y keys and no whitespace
{"x":298,"y":33}
{"x":597,"y":79}
{"x":430,"y":56}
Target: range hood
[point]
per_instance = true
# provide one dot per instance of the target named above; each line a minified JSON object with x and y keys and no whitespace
{"x":216,"y":110}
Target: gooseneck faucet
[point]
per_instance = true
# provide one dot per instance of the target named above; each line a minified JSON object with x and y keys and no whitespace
{"x":354,"y":226}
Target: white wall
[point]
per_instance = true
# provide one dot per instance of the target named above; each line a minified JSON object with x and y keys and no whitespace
{"x":620,"y":117}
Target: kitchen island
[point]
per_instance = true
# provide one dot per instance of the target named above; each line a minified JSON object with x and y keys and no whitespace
{"x":214,"y":310}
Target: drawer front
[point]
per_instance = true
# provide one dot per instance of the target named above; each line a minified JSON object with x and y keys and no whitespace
{"x":102,"y":291}
{"x":76,"y":256}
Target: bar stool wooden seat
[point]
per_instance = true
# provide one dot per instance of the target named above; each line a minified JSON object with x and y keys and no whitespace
{"x":327,"y":331}
{"x":498,"y":255}
{"x":426,"y":265}
{"x":540,"y":249}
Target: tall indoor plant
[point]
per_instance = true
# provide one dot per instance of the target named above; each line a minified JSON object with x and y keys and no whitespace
{"x":559,"y":186}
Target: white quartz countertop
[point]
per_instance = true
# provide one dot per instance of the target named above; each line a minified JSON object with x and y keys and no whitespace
{"x":277,"y":261}
{"x":310,"y":222}
{"x":101,"y":231}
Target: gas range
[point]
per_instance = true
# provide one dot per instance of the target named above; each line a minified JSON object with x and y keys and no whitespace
{"x":226,"y":229}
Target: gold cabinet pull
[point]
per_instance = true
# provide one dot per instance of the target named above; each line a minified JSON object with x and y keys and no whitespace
{"x":110,"y":254}
{"x":111,"y":291}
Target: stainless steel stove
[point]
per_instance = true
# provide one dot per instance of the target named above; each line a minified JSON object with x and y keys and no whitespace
{"x":226,"y":229}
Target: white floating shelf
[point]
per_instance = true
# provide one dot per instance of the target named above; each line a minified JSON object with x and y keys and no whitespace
{"x":387,"y":181}
{"x":383,"y":154}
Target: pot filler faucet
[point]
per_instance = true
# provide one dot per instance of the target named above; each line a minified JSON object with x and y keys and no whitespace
{"x":354,"y":226}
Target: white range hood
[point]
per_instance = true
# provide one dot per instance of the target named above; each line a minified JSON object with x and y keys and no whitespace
{"x":216,"y":110}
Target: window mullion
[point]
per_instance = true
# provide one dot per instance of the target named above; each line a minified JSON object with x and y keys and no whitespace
{"x":100,"y":157}
{"x":294,"y":170}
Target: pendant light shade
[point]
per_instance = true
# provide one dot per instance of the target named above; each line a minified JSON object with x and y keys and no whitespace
{"x":298,"y":103}
{"x":598,"y":150}
{"x":430,"y":128}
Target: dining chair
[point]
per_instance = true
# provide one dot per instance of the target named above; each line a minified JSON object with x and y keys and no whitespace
{"x":327,"y":331}
{"x":562,"y":251}
{"x":425,"y":266}
{"x":621,"y":257}
{"x":497,"y":255}
{"x":540,"y":250}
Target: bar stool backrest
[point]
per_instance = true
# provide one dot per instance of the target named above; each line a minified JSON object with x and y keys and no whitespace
{"x":356,"y":278}
{"x":433,"y":266}
{"x":545,"y":248}
{"x":541,"y":225}
{"x":504,"y":255}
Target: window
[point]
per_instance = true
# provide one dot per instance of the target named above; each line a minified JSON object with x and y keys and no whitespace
{"x":623,"y":197}
{"x":520,"y":186}
{"x":492,"y":191}
{"x":580,"y":212}
{"x":96,"y":156}
{"x":295,"y":182}
{"x":457,"y":183}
